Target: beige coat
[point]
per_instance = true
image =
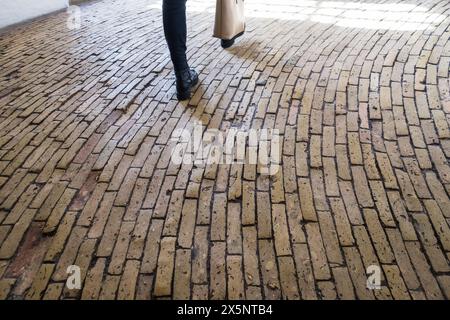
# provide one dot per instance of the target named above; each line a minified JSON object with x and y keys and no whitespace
{"x":230,"y":20}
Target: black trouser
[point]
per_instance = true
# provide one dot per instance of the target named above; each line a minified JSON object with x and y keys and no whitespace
{"x":174,"y":19}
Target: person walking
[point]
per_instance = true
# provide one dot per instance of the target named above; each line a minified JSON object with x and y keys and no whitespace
{"x":175,"y":31}
{"x":230,"y":21}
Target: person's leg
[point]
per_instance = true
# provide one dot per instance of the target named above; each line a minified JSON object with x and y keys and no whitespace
{"x":175,"y":31}
{"x":174,"y":19}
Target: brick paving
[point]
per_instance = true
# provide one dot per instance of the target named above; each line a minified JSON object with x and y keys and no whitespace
{"x":360,"y":92}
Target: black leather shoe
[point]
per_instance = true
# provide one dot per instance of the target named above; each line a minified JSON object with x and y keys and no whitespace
{"x":186,"y":81}
{"x":226,"y":43}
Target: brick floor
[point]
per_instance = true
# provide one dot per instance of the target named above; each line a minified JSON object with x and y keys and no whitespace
{"x":360,"y":92}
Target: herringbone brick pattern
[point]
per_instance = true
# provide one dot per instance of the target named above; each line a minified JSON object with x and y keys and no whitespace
{"x":359,"y":91}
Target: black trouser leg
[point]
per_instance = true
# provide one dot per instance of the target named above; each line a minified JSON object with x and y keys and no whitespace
{"x":174,"y":19}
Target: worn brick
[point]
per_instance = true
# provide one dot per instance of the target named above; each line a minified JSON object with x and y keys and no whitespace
{"x":164,"y":273}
